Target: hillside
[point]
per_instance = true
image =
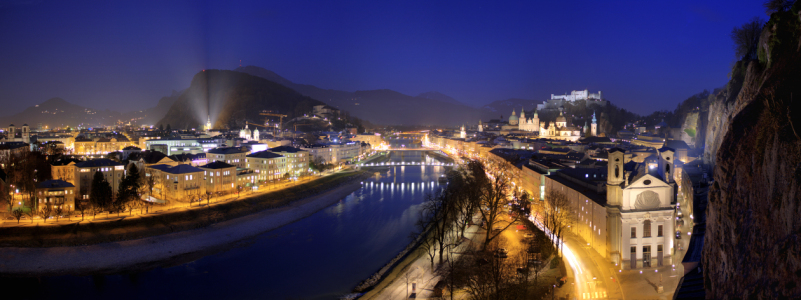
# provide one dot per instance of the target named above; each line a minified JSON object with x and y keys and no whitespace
{"x":439,"y":97}
{"x":753,"y":232}
{"x":57,"y":112}
{"x":234,"y":98}
{"x":384,"y":106}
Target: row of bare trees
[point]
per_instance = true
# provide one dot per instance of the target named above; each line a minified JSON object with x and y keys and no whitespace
{"x":477,"y":190}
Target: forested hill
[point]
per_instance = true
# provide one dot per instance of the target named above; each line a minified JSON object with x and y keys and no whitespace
{"x":234,"y":98}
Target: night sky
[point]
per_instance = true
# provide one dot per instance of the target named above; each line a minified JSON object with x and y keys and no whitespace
{"x":643,"y":55}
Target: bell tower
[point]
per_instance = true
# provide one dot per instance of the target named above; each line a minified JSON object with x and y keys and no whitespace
{"x":666,"y":157}
{"x":615,"y":177}
{"x":26,"y":134}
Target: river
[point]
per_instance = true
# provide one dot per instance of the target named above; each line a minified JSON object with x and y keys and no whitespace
{"x":322,"y":256}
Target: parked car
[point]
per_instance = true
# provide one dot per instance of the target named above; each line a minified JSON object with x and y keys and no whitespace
{"x":528,"y":235}
{"x":678,"y":234}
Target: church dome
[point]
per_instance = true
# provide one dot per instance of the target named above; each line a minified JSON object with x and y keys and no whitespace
{"x":561,"y":118}
{"x":513,"y":118}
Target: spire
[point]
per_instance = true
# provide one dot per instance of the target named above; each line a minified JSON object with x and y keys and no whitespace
{"x":593,"y":117}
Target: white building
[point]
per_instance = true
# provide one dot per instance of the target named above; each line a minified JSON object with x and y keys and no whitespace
{"x":577,"y":95}
{"x":639,"y":209}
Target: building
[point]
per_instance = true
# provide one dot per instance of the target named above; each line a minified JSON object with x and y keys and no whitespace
{"x":24,"y":136}
{"x":85,"y":171}
{"x":231,"y":155}
{"x":267,"y":165}
{"x":220,"y":177}
{"x":56,"y":193}
{"x":640,"y":198}
{"x":182,"y":183}
{"x":11,"y":150}
{"x":297,"y":160}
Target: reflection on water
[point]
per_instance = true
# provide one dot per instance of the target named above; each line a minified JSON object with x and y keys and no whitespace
{"x":320,"y":257}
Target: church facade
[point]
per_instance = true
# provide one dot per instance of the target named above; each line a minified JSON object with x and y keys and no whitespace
{"x":640,"y":212}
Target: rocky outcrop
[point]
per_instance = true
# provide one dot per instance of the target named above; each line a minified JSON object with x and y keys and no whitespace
{"x":753,"y":235}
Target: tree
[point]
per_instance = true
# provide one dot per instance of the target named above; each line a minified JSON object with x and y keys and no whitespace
{"x":772,"y":6}
{"x":101,"y":194}
{"x":492,"y":196}
{"x":81,"y":206}
{"x":17,"y":213}
{"x":129,"y":188}
{"x":7,"y":195}
{"x":45,"y":212}
{"x":437,"y":215}
{"x":31,"y":213}
{"x":59,"y":209}
{"x":558,"y":215}
{"x":746,"y":37}
{"x":169,"y":129}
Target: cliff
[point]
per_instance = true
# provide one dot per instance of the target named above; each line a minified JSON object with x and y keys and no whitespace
{"x":753,"y":235}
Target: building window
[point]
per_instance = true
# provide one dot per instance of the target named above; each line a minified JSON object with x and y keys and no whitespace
{"x":659,"y":230}
{"x":633,"y":232}
{"x":646,"y":228}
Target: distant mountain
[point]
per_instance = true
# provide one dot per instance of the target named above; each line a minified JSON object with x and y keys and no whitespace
{"x":506,"y":106}
{"x":154,"y":114}
{"x":57,"y":112}
{"x":234,"y":98}
{"x":439,"y":96}
{"x":383,"y":106}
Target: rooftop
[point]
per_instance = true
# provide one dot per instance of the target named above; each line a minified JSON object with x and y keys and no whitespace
{"x":216,"y":165}
{"x":179,"y":169}
{"x":265,"y":154}
{"x":101,"y":162}
{"x":55,"y":183}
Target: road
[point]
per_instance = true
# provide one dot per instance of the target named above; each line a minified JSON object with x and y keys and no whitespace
{"x":587,"y":280}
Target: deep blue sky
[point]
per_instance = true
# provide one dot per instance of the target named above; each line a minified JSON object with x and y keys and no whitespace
{"x":643,"y":55}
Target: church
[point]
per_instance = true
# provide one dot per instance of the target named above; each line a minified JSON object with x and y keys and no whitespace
{"x":639,"y":209}
{"x":556,"y":130}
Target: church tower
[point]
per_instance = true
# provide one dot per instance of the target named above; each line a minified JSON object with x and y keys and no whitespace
{"x":615,"y":176}
{"x":11,"y":133}
{"x":462,"y":133}
{"x":480,"y":126}
{"x":614,"y":200}
{"x":594,"y":128}
{"x":666,"y":157}
{"x":26,"y":134}
{"x":535,"y":121}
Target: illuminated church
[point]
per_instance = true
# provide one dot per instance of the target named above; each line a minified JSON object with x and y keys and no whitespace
{"x":557,"y":130}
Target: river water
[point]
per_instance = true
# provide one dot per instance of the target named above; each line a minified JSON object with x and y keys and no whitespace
{"x":320,"y":257}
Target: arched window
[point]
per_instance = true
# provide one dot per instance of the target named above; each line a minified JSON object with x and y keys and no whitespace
{"x":646,"y":228}
{"x":667,"y":169}
{"x":617,"y":171}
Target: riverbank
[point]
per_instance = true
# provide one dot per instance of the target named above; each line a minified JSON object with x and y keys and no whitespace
{"x":168,"y":249}
{"x":123,"y":228}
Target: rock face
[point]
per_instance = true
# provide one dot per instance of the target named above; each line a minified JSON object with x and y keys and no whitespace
{"x":752,"y":247}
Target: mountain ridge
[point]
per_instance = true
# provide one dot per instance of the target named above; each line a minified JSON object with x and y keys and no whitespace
{"x":381,"y":106}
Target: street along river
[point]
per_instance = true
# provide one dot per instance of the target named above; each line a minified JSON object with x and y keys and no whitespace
{"x":322,"y":256}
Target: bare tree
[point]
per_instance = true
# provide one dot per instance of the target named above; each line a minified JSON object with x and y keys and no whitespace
{"x":17,"y":213}
{"x":558,"y":215}
{"x":772,"y":6}
{"x":59,"y":209}
{"x":746,"y":37}
{"x":45,"y":211}
{"x":492,"y":192}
